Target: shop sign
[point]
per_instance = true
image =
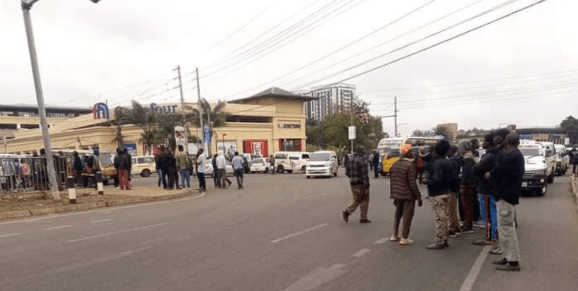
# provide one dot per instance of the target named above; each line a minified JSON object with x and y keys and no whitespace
{"x":290,"y":125}
{"x":100,"y":111}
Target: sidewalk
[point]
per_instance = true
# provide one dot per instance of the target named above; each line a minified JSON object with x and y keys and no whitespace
{"x":22,"y":205}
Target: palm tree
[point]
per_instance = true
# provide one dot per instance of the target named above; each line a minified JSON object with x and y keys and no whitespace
{"x":214,"y":116}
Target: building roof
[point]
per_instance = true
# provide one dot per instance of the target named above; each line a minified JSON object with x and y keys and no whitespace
{"x":275,"y":92}
{"x":34,"y":108}
{"x":540,"y":130}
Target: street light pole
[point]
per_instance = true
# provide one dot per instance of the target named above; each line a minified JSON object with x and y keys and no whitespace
{"x":40,"y":98}
{"x":223,"y":144}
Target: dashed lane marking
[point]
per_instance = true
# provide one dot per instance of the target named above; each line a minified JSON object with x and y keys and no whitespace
{"x":381,"y":241}
{"x":117,"y":232}
{"x":299,"y":233}
{"x":10,"y":234}
{"x":102,"y":220}
{"x":58,"y":227}
{"x":361,"y":253}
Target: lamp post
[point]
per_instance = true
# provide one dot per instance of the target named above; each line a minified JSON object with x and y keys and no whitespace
{"x":224,"y":144}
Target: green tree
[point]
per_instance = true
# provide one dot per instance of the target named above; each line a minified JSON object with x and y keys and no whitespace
{"x":570,"y":123}
{"x":440,"y":130}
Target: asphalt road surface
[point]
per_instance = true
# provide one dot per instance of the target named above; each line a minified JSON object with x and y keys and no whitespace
{"x":284,"y":232}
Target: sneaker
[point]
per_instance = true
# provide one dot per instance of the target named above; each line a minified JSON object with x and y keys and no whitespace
{"x":454,"y":234}
{"x":436,"y":246}
{"x":346,"y":215}
{"x":500,"y":262}
{"x":509,"y":267}
{"x":479,"y":224}
{"x":482,"y":242}
{"x":466,"y":230}
{"x":406,"y":241}
{"x":496,"y":250}
{"x":364,"y":221}
{"x":394,"y":238}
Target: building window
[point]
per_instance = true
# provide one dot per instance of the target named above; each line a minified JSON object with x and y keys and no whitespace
{"x":290,"y":145}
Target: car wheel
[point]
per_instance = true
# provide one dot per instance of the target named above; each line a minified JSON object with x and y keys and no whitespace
{"x":289,"y":171}
{"x":145,"y":173}
{"x":280,"y":169}
{"x":542,"y":191}
{"x":550,"y":178}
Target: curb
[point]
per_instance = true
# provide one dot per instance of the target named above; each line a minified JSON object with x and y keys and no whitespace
{"x":574,"y":190}
{"x":88,"y":206}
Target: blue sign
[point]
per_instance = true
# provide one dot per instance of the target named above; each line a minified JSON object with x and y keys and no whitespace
{"x":206,"y":133}
{"x":131,"y":148}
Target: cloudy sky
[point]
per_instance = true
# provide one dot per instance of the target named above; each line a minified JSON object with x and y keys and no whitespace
{"x":522,"y":69}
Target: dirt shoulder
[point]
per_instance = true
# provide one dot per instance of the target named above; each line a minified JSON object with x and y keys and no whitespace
{"x":22,"y":205}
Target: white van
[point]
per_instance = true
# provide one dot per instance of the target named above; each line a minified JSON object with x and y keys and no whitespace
{"x":562,"y":159}
{"x":143,"y":165}
{"x":550,"y":152}
{"x":322,"y":163}
{"x":291,"y":161}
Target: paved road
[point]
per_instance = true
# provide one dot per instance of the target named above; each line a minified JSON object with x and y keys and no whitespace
{"x":283,"y":233}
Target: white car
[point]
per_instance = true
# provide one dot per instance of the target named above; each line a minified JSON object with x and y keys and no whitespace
{"x":260,"y":165}
{"x":562,"y":159}
{"x":228,"y":169}
{"x":322,"y":163}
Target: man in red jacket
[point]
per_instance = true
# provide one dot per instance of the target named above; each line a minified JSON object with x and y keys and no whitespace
{"x":404,"y":192}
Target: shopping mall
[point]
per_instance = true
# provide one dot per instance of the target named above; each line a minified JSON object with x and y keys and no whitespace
{"x":262,"y":124}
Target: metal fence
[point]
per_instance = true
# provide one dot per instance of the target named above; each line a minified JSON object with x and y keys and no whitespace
{"x":29,"y":174}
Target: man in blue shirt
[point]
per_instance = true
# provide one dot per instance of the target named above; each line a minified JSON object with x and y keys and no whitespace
{"x":239,"y":169}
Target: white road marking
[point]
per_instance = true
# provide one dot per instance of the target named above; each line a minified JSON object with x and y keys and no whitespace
{"x":361,"y":253}
{"x":58,"y":227}
{"x":316,"y":278}
{"x":102,"y":220}
{"x":117,"y":232}
{"x":108,"y":210}
{"x":10,"y":234}
{"x":136,"y":250}
{"x":318,"y":195}
{"x":299,"y":233}
{"x":381,"y":241}
{"x":471,"y":278}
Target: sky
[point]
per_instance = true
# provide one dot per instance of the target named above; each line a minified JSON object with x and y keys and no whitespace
{"x":520,"y":70}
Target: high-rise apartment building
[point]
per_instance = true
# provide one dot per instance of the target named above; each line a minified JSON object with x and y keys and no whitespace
{"x":332,"y":99}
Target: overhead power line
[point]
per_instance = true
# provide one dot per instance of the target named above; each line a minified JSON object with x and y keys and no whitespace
{"x":417,"y":41}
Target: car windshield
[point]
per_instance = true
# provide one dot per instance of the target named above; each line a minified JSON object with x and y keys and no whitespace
{"x":393,"y":154}
{"x":530,"y":152}
{"x":319,"y":157}
{"x":257,"y":161}
{"x":281,"y":156}
{"x":294,"y":157}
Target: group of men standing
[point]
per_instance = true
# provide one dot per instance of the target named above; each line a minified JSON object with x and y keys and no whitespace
{"x":454,"y":178}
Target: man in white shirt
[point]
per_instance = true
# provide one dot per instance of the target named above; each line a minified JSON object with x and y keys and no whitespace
{"x":201,"y":170}
{"x":221,"y":165}
{"x":239,"y":169}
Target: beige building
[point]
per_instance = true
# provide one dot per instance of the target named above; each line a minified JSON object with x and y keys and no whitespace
{"x":267,"y":122}
{"x":452,"y":130}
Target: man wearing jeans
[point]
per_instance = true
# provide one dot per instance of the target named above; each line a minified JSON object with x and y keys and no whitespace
{"x":239,"y":169}
{"x":508,"y":178}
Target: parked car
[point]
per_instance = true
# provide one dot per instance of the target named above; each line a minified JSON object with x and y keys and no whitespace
{"x":537,"y":169}
{"x":562,"y":159}
{"x":260,"y":165}
{"x":322,"y":163}
{"x":228,"y":169}
{"x":550,"y":157}
{"x":143,"y":165}
{"x":291,"y":161}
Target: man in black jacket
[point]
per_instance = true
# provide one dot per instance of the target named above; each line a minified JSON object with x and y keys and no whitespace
{"x":508,"y":176}
{"x":439,"y":188}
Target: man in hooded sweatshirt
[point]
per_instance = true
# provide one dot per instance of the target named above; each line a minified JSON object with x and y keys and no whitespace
{"x":357,"y":169}
{"x":439,"y":188}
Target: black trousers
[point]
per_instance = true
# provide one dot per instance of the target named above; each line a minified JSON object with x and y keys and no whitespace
{"x":403,"y":209}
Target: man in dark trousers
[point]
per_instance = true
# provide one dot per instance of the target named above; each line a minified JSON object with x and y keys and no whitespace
{"x":357,"y":169}
{"x":375,"y":162}
{"x":404,"y":192}
{"x":574,"y":159}
{"x":507,"y":176}
{"x":439,"y":188}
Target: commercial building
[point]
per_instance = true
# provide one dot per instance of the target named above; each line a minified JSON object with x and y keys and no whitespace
{"x":262,"y":124}
{"x":331,"y":99}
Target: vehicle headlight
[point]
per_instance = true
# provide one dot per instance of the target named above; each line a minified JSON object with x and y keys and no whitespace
{"x":328,"y":164}
{"x":540,"y":172}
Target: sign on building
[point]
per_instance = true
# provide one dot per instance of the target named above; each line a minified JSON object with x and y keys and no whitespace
{"x":180,"y":136}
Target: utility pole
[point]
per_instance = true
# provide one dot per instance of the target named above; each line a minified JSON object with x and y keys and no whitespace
{"x":183,"y":110}
{"x":40,"y":99}
{"x":351,"y":113}
{"x":395,"y":111}
{"x":201,"y":113}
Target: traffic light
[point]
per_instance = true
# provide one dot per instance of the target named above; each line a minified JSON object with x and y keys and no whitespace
{"x":364,"y":118}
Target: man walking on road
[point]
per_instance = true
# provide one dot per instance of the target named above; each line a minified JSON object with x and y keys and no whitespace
{"x":404,"y":192}
{"x":439,"y":187}
{"x":239,"y":169}
{"x":375,"y":162}
{"x":508,"y":176}
{"x":357,"y":169}
{"x":272,"y":161}
{"x":201,"y":170}
{"x":222,"y":166}
{"x":574,"y":159}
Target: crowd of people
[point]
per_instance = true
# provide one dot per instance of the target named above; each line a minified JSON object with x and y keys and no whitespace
{"x":458,"y":182}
